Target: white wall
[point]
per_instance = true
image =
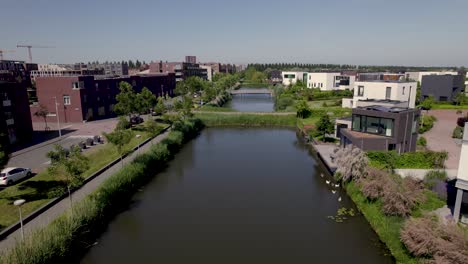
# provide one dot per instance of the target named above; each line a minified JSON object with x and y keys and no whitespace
{"x":463,"y":165}
{"x":401,"y":91}
{"x":417,"y":76}
{"x":209,"y":70}
{"x":323,"y":80}
{"x":289,"y":81}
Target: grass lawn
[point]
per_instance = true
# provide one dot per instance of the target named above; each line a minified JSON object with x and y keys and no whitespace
{"x":449,"y":106}
{"x":209,"y":108}
{"x":41,"y":188}
{"x":388,"y":227}
{"x":247,"y":120}
{"x":320,"y":104}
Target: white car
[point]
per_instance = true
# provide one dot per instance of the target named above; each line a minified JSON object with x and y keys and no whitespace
{"x":10,"y":175}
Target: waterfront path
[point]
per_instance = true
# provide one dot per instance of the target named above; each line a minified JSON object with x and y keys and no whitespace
{"x":253,"y":91}
{"x":61,"y":207}
{"x":246,"y":113}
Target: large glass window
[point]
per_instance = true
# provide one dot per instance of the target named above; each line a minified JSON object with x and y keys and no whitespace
{"x":360,"y":90}
{"x":387,"y":126}
{"x":357,"y":123}
{"x":372,"y":125}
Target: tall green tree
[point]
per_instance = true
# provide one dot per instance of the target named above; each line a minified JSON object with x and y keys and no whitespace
{"x":303,"y":110}
{"x":325,"y":126}
{"x":70,"y":165}
{"x":428,"y":103}
{"x":119,"y":138}
{"x":184,"y":106}
{"x":146,"y":100}
{"x":160,"y":108}
{"x":127,"y":100}
{"x":131,"y":65}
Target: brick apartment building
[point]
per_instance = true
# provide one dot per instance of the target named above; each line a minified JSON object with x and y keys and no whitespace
{"x":15,"y":119}
{"x":84,"y":98}
{"x":182,"y":70}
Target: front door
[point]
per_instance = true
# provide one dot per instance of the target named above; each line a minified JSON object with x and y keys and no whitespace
{"x":388,"y":93}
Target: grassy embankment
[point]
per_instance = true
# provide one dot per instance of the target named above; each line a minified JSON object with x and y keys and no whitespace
{"x":68,"y":236}
{"x":43,"y":187}
{"x":247,"y":119}
{"x":388,"y":227}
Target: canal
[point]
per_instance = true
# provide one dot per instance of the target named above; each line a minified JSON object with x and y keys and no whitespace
{"x":251,"y":102}
{"x":239,"y":195}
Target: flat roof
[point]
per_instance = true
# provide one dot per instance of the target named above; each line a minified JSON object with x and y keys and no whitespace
{"x":381,"y":108}
{"x":388,"y":81}
{"x":383,"y":101}
{"x":358,"y":134}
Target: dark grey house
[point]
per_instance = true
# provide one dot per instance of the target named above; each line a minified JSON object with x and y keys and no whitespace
{"x":444,"y":88}
{"x":382,"y":128}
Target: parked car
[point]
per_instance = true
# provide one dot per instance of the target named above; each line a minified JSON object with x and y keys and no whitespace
{"x":11,"y":175}
{"x":135,"y":120}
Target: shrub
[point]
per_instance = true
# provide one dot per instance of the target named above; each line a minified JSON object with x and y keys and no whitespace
{"x":122,"y":124}
{"x":324,"y":104}
{"x":461,"y":121}
{"x":374,"y":184}
{"x":408,"y":160}
{"x":426,"y":123}
{"x":421,"y":141}
{"x":458,"y":132}
{"x":427,"y":237}
{"x":351,"y":163}
{"x":433,"y":177}
{"x":400,"y":197}
{"x":284,"y":101}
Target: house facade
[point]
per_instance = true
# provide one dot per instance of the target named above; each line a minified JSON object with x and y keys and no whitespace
{"x":386,"y":93}
{"x":444,"y":88}
{"x":381,"y":128}
{"x":329,"y":81}
{"x":83,"y":98}
{"x":291,"y":77}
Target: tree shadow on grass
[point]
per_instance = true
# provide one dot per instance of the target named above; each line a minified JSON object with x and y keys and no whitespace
{"x":39,"y":190}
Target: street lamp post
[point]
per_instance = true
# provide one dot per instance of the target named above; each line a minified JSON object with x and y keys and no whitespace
{"x":58,"y":119}
{"x":138,"y":136}
{"x":19,"y":203}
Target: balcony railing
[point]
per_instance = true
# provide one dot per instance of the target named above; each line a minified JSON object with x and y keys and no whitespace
{"x":6,"y":102}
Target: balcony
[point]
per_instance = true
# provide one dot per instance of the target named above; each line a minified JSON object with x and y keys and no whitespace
{"x":10,"y":122}
{"x":6,"y":102}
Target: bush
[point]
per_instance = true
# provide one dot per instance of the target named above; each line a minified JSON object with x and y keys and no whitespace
{"x":284,"y":101}
{"x":433,"y":177}
{"x":351,"y":163}
{"x":427,"y":237}
{"x":461,"y":121}
{"x":374,"y":184}
{"x":426,"y":123}
{"x":408,"y":160}
{"x":458,"y":132}
{"x":421,"y":141}
{"x":123,"y":124}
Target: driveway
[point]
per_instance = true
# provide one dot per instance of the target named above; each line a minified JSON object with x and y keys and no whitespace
{"x":439,"y":138}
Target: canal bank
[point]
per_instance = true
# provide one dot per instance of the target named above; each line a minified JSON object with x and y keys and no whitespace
{"x":250,"y":195}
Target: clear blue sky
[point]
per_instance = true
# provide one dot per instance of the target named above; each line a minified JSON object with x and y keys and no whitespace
{"x":377,"y":32}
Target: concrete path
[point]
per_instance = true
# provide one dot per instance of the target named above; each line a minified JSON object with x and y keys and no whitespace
{"x":245,"y":113}
{"x":439,"y":138}
{"x":58,"y":209}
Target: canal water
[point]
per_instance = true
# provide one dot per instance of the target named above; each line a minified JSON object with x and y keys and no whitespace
{"x":239,"y":195}
{"x":251,"y":102}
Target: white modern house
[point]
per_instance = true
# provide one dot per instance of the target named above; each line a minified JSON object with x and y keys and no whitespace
{"x":417,"y":76}
{"x":384,"y":93}
{"x":462,"y":177}
{"x":328,"y":81}
{"x":291,"y":77}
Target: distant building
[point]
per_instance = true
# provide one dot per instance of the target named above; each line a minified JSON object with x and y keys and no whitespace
{"x":222,"y":68}
{"x":15,"y":118}
{"x":191,"y":59}
{"x":209,"y":72}
{"x":380,"y":128}
{"x":328,"y":81}
{"x":291,"y":77}
{"x":83,"y":98}
{"x":417,"y":76}
{"x":182,"y":70}
{"x":109,"y":68}
{"x":385,"y":93}
{"x":379,"y":76}
{"x":444,"y":88}
{"x":276,"y":77}
{"x":54,"y":70}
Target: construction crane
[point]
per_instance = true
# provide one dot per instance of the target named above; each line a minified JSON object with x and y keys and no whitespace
{"x":4,"y":51}
{"x":29,"y":49}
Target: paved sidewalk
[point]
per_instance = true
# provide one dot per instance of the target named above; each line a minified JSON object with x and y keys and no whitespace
{"x":58,"y":209}
{"x":439,"y":138}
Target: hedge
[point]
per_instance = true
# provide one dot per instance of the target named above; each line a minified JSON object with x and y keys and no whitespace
{"x":408,"y":160}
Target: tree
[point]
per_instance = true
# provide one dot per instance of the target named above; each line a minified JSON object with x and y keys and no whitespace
{"x":146,"y":100}
{"x":119,"y":138}
{"x":303,"y":110}
{"x":325,"y":126}
{"x":427,"y":103}
{"x":160,"y":108}
{"x":351,"y":163}
{"x":184,"y":106}
{"x":460,"y":99}
{"x":131,"y":65}
{"x":71,"y":164}
{"x":123,"y":123}
{"x":43,"y":112}
{"x":153,"y":128}
{"x":127,"y":101}
{"x":137,"y":64}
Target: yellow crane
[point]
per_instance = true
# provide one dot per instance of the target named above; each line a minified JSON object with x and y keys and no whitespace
{"x":29,"y":49}
{"x":5,"y":51}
